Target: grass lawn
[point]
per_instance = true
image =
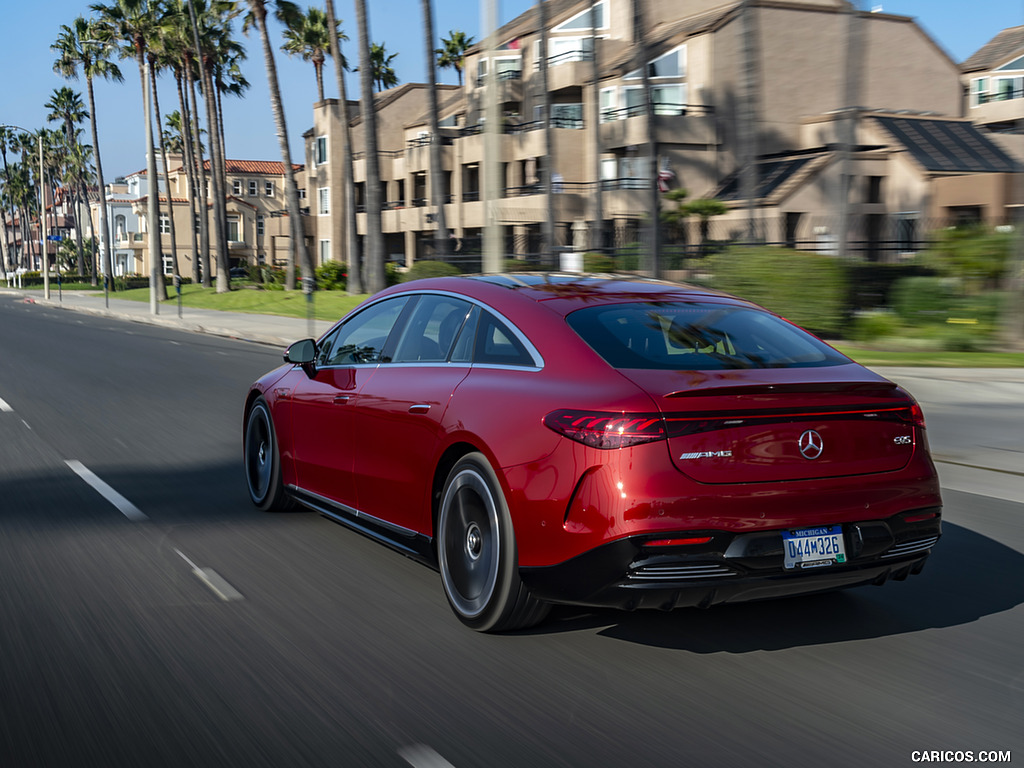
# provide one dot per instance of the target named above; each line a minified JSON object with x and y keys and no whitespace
{"x":872,"y":357}
{"x":328,"y":305}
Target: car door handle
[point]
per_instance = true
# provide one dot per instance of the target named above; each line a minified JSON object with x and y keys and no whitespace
{"x":341,"y":399}
{"x":420,"y":408}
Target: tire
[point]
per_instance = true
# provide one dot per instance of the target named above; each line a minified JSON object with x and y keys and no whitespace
{"x":263,"y":460}
{"x":476,"y":551}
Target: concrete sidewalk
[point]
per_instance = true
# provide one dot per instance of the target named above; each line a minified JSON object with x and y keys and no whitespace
{"x":984,"y":457}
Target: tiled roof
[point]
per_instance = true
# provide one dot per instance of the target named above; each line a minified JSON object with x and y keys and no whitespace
{"x":996,"y":51}
{"x":951,"y":146}
{"x":261,"y":167}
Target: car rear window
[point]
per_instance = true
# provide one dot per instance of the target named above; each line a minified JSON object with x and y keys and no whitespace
{"x":697,"y":336}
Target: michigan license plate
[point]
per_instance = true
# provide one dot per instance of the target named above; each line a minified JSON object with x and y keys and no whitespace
{"x":814,"y":547}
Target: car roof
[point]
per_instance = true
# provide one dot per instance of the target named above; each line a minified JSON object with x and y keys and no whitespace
{"x":565,"y":292}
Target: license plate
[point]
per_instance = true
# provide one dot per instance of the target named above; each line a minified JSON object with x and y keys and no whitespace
{"x":814,"y":547}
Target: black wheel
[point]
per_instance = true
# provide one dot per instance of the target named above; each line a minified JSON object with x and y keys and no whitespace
{"x":262,"y":461}
{"x":476,"y":549}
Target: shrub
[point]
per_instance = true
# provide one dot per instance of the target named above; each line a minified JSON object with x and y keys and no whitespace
{"x":599,"y":262}
{"x":922,"y":299}
{"x":875,"y":325}
{"x":332,"y":276}
{"x":977,"y":255}
{"x":807,"y":288}
{"x":424,"y":269}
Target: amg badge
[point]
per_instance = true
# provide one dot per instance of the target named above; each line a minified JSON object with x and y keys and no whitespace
{"x":706,"y":455}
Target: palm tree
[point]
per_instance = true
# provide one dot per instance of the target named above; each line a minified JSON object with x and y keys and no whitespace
{"x":285,"y":12}
{"x":373,"y":255}
{"x":81,"y":46}
{"x":310,"y":38}
{"x":354,"y":284}
{"x":212,"y":38}
{"x":65,"y":105}
{"x":437,"y":200}
{"x":452,"y":53}
{"x":7,"y":137}
{"x":133,"y":23}
{"x":384,"y":76}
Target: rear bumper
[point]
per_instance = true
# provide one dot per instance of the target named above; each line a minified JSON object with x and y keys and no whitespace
{"x":628,"y":575}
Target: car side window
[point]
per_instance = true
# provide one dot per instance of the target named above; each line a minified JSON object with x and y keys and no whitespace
{"x":431,"y":330}
{"x":361,"y":338}
{"x":497,"y":345}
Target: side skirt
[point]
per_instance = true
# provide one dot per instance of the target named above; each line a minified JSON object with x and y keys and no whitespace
{"x":412,"y":544}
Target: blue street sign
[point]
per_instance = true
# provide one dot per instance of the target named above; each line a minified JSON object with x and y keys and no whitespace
{"x":54,"y":238}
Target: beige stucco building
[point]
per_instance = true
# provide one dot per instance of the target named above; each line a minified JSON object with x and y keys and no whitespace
{"x":257,"y":223}
{"x":697,"y":54}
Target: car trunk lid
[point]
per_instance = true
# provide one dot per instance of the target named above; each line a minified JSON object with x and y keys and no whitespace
{"x":748,"y":426}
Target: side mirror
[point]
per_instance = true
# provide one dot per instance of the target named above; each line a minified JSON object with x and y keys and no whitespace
{"x":301,"y":352}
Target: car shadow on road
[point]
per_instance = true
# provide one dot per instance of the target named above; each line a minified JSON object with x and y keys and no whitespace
{"x":969,"y":576}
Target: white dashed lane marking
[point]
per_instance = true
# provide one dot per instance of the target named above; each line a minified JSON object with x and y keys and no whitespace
{"x":124,"y":506}
{"x":422,"y":756}
{"x":213,"y":580}
{"x":4,"y":407}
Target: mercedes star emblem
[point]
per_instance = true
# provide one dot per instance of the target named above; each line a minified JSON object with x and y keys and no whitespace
{"x":810,"y":444}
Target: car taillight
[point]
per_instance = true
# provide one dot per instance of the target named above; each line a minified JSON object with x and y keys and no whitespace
{"x":600,"y":429}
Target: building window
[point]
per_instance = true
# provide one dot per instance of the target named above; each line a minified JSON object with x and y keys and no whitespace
{"x":236,"y":187}
{"x":979,"y":91}
{"x":325,"y":251}
{"x":268,"y":189}
{"x":234,"y":229}
{"x":609,"y":104}
{"x":874,"y":190}
{"x":320,"y":150}
{"x":260,"y":225}
{"x":165,"y":224}
{"x":669,"y":99}
{"x":120,"y":227}
{"x":565,"y":115}
{"x":253,"y":187}
{"x":324,"y":201}
{"x":582,"y":20}
{"x":302,"y":194}
{"x":671,"y":64}
{"x":168,"y":264}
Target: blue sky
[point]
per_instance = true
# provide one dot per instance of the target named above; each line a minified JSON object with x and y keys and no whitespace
{"x":26,"y":63}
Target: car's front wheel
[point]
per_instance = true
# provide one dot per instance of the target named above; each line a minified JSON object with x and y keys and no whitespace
{"x":476,"y":550}
{"x":262,"y":460}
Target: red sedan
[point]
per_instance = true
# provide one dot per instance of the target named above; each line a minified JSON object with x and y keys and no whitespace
{"x":598,"y":441}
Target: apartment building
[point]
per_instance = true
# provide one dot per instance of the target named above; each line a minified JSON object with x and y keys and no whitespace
{"x":780,"y":71}
{"x":993,"y":79}
{"x":257,"y":221}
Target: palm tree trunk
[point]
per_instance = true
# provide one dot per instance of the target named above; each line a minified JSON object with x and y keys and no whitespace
{"x":437,"y":196}
{"x":167,"y":173}
{"x":203,"y":255}
{"x":354,"y":283}
{"x":548,"y":230}
{"x":157,"y":289}
{"x":374,"y":253}
{"x":298,"y":249}
{"x":597,"y":229}
{"x":219,"y":182}
{"x":190,"y":172}
{"x":654,"y":196}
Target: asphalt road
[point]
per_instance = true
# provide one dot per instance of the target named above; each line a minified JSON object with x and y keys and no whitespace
{"x":149,"y":616}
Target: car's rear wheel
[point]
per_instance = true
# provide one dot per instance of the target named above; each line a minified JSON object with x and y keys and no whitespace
{"x":476,"y":550}
{"x":263,"y":461}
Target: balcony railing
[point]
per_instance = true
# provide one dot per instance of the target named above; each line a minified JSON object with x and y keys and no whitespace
{"x":988,"y":98}
{"x":660,"y":109}
{"x":505,"y":74}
